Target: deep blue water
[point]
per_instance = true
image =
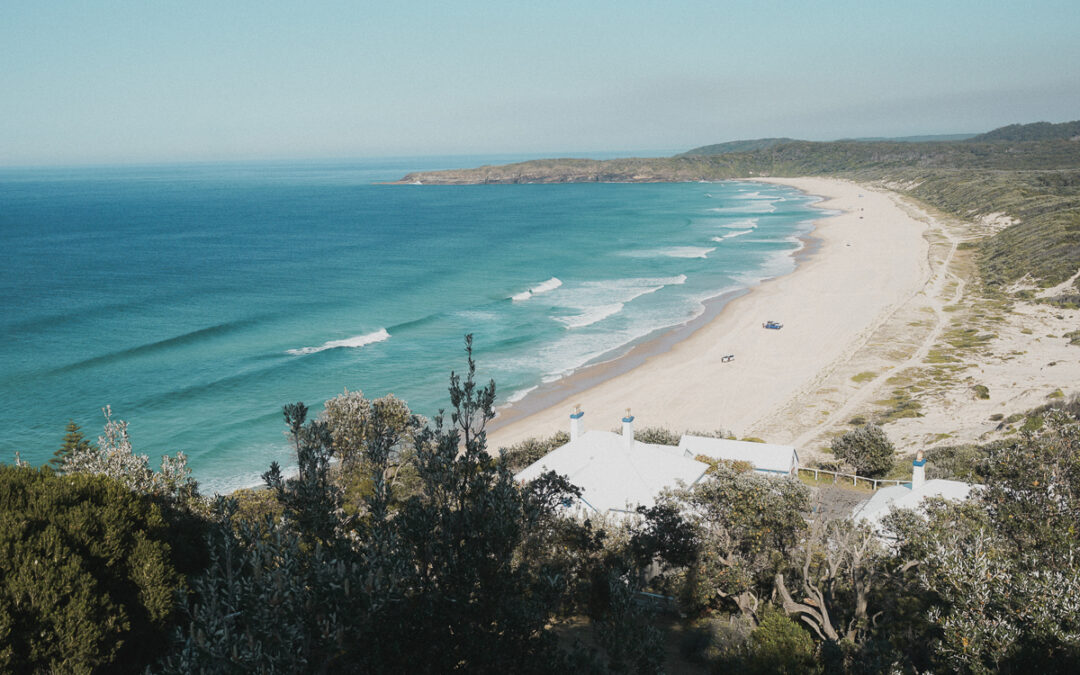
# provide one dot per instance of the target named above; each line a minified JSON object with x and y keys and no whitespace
{"x":198,"y":299}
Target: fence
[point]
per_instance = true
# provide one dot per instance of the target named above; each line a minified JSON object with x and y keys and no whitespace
{"x":873,"y":483}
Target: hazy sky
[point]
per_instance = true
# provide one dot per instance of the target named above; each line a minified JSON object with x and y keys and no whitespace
{"x":154,"y":80}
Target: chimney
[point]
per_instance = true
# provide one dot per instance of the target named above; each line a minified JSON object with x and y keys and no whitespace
{"x":918,"y":471}
{"x":576,"y":425}
{"x":628,"y":430}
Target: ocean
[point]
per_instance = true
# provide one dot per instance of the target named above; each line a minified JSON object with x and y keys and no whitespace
{"x":196,"y":300}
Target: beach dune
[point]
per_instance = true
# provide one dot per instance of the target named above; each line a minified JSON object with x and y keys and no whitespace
{"x":862,"y":265}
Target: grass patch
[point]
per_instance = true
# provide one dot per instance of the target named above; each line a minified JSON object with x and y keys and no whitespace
{"x":865,"y":376}
{"x":981,"y":391}
{"x":898,"y":406}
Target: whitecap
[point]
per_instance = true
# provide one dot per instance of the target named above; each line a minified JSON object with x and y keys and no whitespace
{"x":740,"y":224}
{"x":353,"y":342}
{"x":520,"y":394}
{"x":736,"y":233}
{"x":590,"y":316}
{"x":672,"y":252}
{"x":539,"y":289}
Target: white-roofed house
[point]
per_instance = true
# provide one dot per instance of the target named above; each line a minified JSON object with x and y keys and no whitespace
{"x":763,"y":457}
{"x":886,"y":500}
{"x":616,"y":473}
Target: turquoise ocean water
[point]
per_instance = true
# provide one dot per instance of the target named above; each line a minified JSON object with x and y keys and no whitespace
{"x":196,"y":300}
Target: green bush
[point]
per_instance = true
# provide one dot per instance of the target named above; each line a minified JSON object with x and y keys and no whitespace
{"x":520,"y":455}
{"x":88,"y":580}
{"x":981,"y":391}
{"x":867,"y":449}
{"x":779,"y":645}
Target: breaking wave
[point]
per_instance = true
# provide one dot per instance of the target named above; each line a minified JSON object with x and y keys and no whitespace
{"x":354,"y":342}
{"x":541,"y":288}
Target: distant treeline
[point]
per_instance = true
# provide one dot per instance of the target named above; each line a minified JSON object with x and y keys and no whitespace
{"x":1028,"y":172}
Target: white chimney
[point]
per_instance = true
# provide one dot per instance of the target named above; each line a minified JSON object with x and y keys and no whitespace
{"x":577,"y":427}
{"x":918,"y":471}
{"x":628,"y":430}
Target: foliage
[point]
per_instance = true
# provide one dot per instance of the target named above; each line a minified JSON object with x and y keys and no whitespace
{"x":520,"y":455}
{"x":309,"y":499}
{"x":1003,"y":580}
{"x":87,"y":574}
{"x":867,"y":449}
{"x":779,"y":645}
{"x":744,"y":526}
{"x":461,"y":576}
{"x":351,"y":420}
{"x":114,"y":457}
{"x":837,"y":568}
{"x":74,"y":441}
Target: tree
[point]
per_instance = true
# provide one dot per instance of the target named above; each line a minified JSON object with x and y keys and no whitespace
{"x":1003,"y":581}
{"x":87,"y":575}
{"x":310,"y":500}
{"x":74,"y":442}
{"x":746,"y":525}
{"x":867,"y":449}
{"x":452,"y":576}
{"x":779,"y":645}
{"x":115,"y":457}
{"x":836,"y":569}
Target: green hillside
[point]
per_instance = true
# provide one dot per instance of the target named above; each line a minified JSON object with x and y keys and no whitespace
{"x":1029,"y":172}
{"x":737,"y":146}
{"x":1037,"y":131}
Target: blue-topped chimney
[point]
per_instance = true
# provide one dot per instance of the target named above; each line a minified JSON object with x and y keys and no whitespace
{"x":577,"y":426}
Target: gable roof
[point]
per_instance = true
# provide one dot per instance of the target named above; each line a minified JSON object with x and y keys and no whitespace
{"x":903,"y":497}
{"x":613,"y":477}
{"x":762,"y":456}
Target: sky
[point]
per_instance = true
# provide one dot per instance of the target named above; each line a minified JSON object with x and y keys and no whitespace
{"x":193,"y":80}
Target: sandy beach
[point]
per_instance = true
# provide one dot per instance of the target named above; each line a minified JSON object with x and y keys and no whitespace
{"x":863,"y":265}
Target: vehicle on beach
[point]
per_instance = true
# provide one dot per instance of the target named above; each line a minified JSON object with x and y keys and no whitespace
{"x":726,"y":358}
{"x":773,"y":325}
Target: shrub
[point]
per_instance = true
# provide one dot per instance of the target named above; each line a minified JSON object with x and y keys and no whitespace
{"x":657,"y":436}
{"x":981,"y":391}
{"x":520,"y":455}
{"x":867,"y":449}
{"x":779,"y":645}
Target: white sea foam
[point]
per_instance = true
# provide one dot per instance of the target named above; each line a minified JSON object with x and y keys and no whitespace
{"x":740,"y":224}
{"x":539,"y":289}
{"x":598,"y":300}
{"x":672,"y":252}
{"x":354,"y":342}
{"x":755,"y":206}
{"x":590,"y":316}
{"x":736,"y":233}
{"x":520,"y":394}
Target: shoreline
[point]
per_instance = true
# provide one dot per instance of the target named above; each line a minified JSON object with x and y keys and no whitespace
{"x":828,"y":302}
{"x":661,"y":341}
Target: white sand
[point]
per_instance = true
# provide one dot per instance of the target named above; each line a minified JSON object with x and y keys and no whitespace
{"x":871,"y":260}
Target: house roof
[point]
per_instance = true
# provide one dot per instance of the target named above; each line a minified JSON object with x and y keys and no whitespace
{"x":614,"y":477}
{"x":763,"y":456}
{"x":903,"y":497}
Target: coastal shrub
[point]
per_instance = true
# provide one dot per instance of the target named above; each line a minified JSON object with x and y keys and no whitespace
{"x":114,"y":456}
{"x":717,"y":641}
{"x":74,"y":441}
{"x":465,"y":574}
{"x":867,"y":449}
{"x":779,"y":645}
{"x":657,"y":436}
{"x":88,"y":578}
{"x":521,"y":455}
{"x":981,"y":391}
